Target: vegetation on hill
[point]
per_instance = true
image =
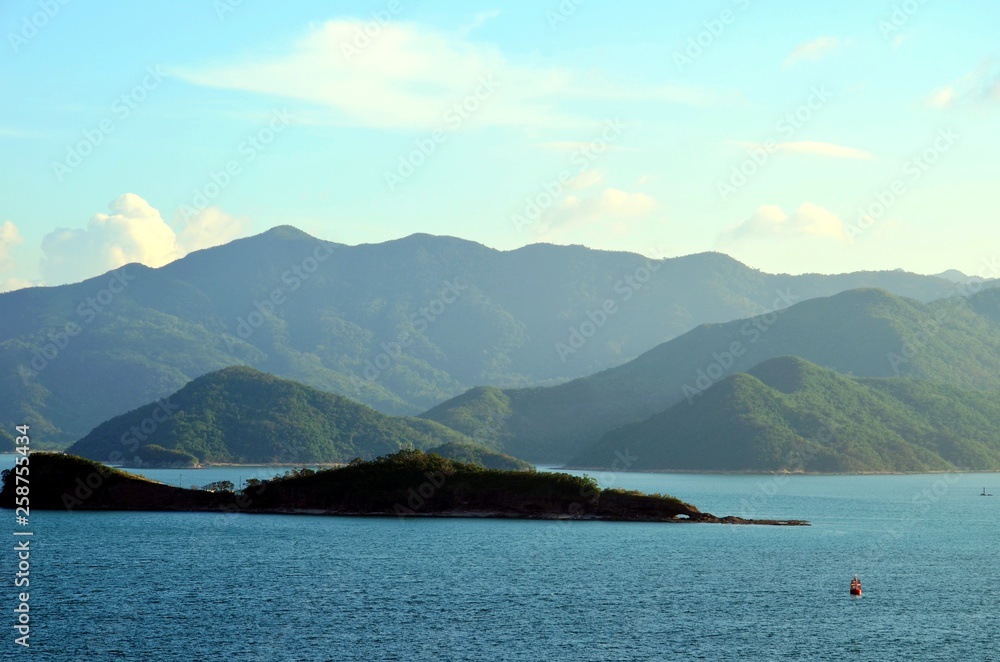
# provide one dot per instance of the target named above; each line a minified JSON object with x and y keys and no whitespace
{"x":473,"y":453}
{"x":400,"y":326}
{"x":868,"y":332}
{"x":241,"y":415}
{"x":406,"y":483}
{"x":787,"y":414}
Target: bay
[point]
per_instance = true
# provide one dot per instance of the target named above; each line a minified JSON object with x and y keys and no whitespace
{"x":266,"y":587}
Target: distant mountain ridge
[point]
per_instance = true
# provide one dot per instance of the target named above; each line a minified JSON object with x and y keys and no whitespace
{"x":865,"y":332}
{"x":401,"y":325}
{"x":787,"y":414}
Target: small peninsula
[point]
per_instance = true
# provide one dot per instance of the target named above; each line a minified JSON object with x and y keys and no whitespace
{"x":409,"y":483}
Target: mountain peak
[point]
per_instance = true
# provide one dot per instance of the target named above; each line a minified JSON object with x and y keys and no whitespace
{"x":787,"y":374}
{"x":954,"y":275}
{"x":286,"y":232}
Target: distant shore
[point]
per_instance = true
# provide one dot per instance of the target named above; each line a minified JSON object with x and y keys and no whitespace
{"x":547,"y":467}
{"x":716,"y":472}
{"x":213,"y":465}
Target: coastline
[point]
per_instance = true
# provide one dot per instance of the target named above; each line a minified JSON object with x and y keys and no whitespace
{"x":547,"y":467}
{"x":407,"y":484}
{"x":227,"y":509}
{"x":710,"y":472}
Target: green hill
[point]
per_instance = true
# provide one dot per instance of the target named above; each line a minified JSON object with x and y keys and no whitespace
{"x":866,"y":332}
{"x":473,"y":453}
{"x":400,"y":326}
{"x":408,"y":483}
{"x":789,"y":414}
{"x":242,"y":415}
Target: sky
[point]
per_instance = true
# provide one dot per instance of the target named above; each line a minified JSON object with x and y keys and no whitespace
{"x":796,"y":137}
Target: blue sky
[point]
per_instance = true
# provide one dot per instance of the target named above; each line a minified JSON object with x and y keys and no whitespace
{"x":855,"y":135}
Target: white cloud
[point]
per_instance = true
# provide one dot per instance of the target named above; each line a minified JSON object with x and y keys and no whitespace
{"x":8,"y":132}
{"x":981,"y":85}
{"x":208,"y":228}
{"x":134,"y":231}
{"x":10,"y":238}
{"x":813,"y":147}
{"x":586,"y":179}
{"x":813,"y":50}
{"x":943,"y":97}
{"x":616,"y":202}
{"x":612,"y":210}
{"x":581,"y":146}
{"x":478,"y":21}
{"x":770,"y":221}
{"x":411,"y":76}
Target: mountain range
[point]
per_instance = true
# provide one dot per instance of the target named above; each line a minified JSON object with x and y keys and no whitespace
{"x":400,"y":326}
{"x":865,"y":332}
{"x":787,"y":414}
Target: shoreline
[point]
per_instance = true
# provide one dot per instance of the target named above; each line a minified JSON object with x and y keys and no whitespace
{"x":403,"y":485}
{"x":545,"y":467}
{"x":719,"y":472}
{"x":705,"y":518}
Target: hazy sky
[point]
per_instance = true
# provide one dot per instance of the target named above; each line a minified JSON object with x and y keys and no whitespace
{"x":794,"y":136}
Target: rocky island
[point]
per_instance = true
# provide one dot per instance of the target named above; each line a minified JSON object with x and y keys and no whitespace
{"x":408,"y":483}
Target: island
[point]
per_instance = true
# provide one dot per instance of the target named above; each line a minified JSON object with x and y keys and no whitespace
{"x":409,"y":483}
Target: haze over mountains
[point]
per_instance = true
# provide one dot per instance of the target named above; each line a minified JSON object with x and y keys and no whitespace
{"x":401,"y":326}
{"x":241,"y":415}
{"x":787,"y":414}
{"x":866,"y":332}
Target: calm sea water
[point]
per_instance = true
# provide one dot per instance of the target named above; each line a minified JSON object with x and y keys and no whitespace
{"x":185,"y":586}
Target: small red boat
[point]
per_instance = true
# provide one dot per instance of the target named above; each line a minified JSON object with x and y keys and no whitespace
{"x":855,"y":586}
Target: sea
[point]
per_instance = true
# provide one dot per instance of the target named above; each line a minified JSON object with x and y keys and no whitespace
{"x":214,"y":586}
